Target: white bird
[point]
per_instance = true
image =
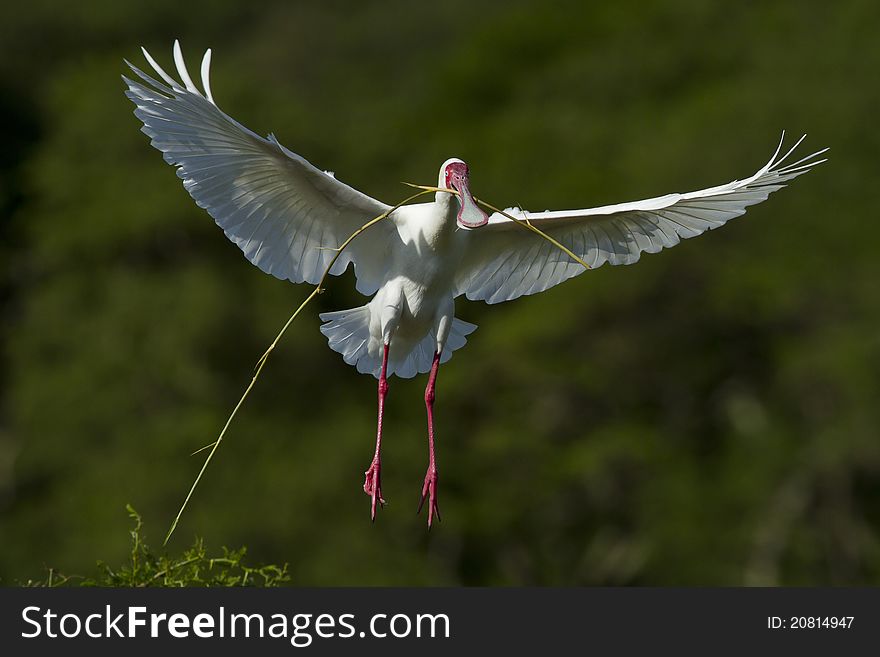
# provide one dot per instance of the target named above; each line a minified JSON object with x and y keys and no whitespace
{"x":287,"y":216}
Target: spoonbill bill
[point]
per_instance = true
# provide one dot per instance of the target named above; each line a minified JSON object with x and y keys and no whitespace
{"x":287,"y":216}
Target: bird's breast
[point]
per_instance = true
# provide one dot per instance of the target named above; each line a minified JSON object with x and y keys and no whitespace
{"x":423,"y":262}
{"x":427,"y":227}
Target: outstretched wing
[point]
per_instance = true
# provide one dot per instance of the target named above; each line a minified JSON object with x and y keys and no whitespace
{"x":502,"y":260}
{"x":284,"y":214}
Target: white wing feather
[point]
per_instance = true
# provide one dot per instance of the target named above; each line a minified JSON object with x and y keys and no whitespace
{"x":284,"y":214}
{"x":502,"y":260}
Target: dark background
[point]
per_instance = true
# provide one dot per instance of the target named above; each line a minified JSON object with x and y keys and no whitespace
{"x":709,"y":416}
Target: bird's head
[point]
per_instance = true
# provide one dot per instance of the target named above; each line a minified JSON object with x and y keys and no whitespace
{"x":454,"y":175}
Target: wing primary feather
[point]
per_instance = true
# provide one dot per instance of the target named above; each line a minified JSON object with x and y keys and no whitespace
{"x":206,"y":75}
{"x":789,"y":167}
{"x":803,"y":168}
{"x":181,"y":69}
{"x":782,"y":159}
{"x":159,"y":87}
{"x":152,"y":62}
{"x":769,"y":164}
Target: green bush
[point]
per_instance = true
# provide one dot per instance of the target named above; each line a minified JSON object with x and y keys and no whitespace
{"x":192,"y":568}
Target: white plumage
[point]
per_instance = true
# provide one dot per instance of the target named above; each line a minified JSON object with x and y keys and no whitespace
{"x":505,"y":262}
{"x":287,"y":216}
{"x":279,"y":209}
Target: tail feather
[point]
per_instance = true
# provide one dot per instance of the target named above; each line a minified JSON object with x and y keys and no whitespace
{"x":348,"y":333}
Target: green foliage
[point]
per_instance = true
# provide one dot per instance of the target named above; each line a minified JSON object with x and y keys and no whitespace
{"x":707,"y":416}
{"x":193,"y":568}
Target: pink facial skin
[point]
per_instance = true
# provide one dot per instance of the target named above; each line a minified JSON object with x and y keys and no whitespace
{"x":469,"y":214}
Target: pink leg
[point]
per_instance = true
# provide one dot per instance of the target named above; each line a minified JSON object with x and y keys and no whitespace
{"x":372,"y":480}
{"x":429,"y":489}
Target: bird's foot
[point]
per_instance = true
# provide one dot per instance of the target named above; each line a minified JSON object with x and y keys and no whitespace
{"x":373,"y":486}
{"x":429,"y":492}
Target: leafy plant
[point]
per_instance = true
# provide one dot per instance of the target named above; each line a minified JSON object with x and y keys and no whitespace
{"x":193,"y":568}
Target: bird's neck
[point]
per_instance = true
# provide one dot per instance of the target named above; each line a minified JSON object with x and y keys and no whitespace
{"x":448,"y":204}
{"x":438,"y":222}
{"x":444,"y":198}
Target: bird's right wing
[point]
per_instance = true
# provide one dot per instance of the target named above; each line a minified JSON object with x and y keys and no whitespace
{"x":502,"y":260}
{"x":284,"y":214}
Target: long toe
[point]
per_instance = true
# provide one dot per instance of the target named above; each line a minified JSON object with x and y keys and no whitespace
{"x":373,"y":487}
{"x":429,"y":492}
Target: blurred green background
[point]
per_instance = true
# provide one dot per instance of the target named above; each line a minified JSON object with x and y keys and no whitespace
{"x":709,"y":416}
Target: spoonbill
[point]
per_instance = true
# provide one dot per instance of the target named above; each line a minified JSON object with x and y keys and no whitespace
{"x":287,"y":216}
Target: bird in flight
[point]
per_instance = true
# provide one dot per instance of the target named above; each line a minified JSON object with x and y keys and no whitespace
{"x":288,"y":216}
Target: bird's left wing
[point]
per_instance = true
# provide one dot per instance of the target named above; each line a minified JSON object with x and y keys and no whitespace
{"x":502,"y":260}
{"x":284,"y":214}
